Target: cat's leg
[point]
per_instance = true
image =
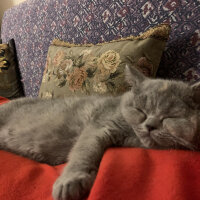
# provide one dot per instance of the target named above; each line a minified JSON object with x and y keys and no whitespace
{"x":78,"y":176}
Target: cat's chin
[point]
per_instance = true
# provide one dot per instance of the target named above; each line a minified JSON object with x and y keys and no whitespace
{"x":154,"y":139}
{"x":161,"y":141}
{"x":146,"y":140}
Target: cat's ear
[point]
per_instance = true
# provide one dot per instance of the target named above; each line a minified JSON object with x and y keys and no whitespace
{"x":133,"y":76}
{"x":196,"y":92}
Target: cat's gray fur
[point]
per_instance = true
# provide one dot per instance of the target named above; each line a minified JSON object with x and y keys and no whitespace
{"x":153,"y":114}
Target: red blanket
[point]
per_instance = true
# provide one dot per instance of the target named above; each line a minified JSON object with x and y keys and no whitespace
{"x":3,"y":100}
{"x":124,"y":174}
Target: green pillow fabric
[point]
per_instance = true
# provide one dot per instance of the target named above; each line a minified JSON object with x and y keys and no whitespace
{"x":85,"y":69}
{"x":10,"y":85}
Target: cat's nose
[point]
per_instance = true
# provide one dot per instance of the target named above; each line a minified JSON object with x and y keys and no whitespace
{"x":152,"y":123}
{"x":150,"y":127}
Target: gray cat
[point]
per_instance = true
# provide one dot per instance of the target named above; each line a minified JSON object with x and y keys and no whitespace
{"x":157,"y":114}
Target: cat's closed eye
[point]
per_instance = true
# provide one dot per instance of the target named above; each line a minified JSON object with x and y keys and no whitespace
{"x":169,"y":117}
{"x":138,"y":115}
{"x":142,"y":111}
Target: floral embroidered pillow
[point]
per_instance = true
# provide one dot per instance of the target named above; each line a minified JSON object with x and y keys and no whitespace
{"x":10,"y":85}
{"x":79,"y":70}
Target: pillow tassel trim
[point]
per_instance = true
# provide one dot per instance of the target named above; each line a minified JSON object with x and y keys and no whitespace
{"x":160,"y":32}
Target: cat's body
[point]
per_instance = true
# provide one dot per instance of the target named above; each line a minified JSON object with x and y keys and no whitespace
{"x":45,"y":130}
{"x":154,"y":114}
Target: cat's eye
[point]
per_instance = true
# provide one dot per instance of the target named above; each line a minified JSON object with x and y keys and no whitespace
{"x":168,"y":117}
{"x":140,"y":110}
{"x":137,"y":115}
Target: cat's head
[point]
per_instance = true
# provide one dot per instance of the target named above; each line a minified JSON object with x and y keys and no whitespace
{"x":162,"y":113}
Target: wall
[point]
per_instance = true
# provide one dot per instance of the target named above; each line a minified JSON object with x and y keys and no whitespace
{"x":5,"y":4}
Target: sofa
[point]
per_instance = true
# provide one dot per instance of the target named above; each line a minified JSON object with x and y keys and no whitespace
{"x":124,"y":173}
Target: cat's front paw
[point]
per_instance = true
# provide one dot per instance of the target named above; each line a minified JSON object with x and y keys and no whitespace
{"x":73,"y":186}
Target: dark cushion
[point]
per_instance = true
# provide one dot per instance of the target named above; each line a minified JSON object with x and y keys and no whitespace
{"x":10,"y":85}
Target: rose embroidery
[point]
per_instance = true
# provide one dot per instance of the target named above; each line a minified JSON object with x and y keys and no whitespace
{"x":76,"y":78}
{"x":109,"y":61}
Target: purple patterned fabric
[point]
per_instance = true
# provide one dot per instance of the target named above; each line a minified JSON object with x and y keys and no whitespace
{"x":34,"y":23}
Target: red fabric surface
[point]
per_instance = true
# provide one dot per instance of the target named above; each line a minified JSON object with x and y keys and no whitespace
{"x":124,"y":174}
{"x":3,"y":100}
{"x":141,"y":174}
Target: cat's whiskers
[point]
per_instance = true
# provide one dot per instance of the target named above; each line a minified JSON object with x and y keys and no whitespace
{"x":176,"y":141}
{"x":180,"y":141}
{"x":186,"y":144}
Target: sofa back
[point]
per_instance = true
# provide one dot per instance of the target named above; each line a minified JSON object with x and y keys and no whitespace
{"x":34,"y":24}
